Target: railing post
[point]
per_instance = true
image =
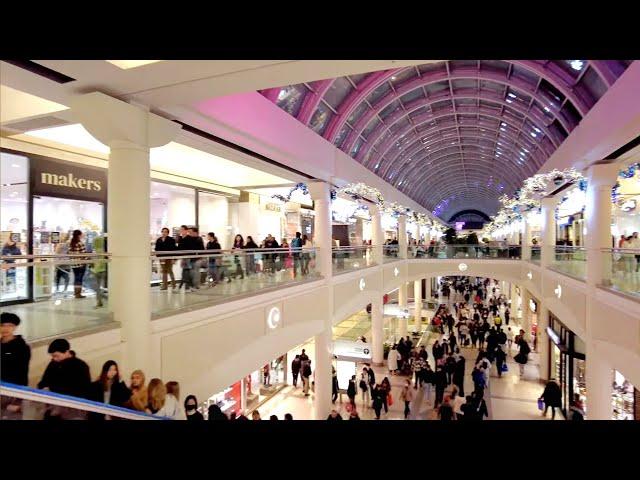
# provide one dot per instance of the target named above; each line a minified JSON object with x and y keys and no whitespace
{"x":377,"y":234}
{"x":403,"y":244}
{"x":548,"y":244}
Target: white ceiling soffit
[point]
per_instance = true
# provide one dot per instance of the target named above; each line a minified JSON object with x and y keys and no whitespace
{"x":18,"y":105}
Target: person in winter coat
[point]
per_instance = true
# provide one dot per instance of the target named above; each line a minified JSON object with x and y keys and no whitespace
{"x":552,"y":397}
{"x":458,"y":375}
{"x":479,"y":405}
{"x":450,"y":367}
{"x":377,"y":395}
{"x":306,"y":375}
{"x":467,"y":409}
{"x":441,"y":384}
{"x":352,"y":391}
{"x":214,"y":414}
{"x":423,"y":354}
{"x":500,"y":358}
{"x":109,"y":389}
{"x":445,"y":411}
{"x":576,"y":411}
{"x":334,"y":416}
{"x":407,"y":395}
{"x":445,"y":347}
{"x":66,"y":373}
{"x":296,"y":364}
{"x":437,"y":351}
{"x":16,"y":354}
{"x":365,"y":388}
{"x":418,"y":367}
{"x":372,"y":377}
{"x":334,"y":385}
{"x":386,"y":387}
{"x":523,"y":355}
{"x":191,"y":409}
{"x":429,"y":379}
{"x":453,"y":342}
{"x":392,"y":360}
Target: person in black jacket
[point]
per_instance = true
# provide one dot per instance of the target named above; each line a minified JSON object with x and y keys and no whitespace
{"x":334,"y":416}
{"x":191,"y":409}
{"x":552,"y":396}
{"x":213,"y":267}
{"x":14,"y":365}
{"x":441,"y":384}
{"x":352,"y":391}
{"x":16,"y":354}
{"x":296,"y":363}
{"x":65,"y":374}
{"x":109,"y":389}
{"x":458,"y":375}
{"x":500,"y":357}
{"x":165,"y":243}
{"x":334,"y":385}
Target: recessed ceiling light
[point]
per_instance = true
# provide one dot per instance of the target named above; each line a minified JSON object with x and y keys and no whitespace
{"x":127,"y":64}
{"x":512,"y":95}
{"x":534,"y":134}
{"x":536,"y":129}
{"x":546,"y":109}
{"x":393,"y":78}
{"x":576,"y":64}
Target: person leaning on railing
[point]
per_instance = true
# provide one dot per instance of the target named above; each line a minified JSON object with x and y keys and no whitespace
{"x":165,"y":243}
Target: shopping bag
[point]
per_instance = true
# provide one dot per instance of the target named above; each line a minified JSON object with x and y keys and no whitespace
{"x":504,"y":368}
{"x":540,"y":404}
{"x":389,"y":399}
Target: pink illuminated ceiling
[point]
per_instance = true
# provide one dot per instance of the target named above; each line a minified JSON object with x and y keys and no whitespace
{"x":453,"y":135}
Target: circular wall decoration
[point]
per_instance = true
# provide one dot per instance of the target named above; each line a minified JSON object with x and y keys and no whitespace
{"x":396,"y":271}
{"x":558,"y":291}
{"x":362,"y":284}
{"x":463,"y":267}
{"x":529,"y":275}
{"x":273,"y":319}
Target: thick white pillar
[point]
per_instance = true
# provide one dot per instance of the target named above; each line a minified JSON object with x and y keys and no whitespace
{"x":129,"y":131}
{"x":377,"y":233}
{"x":403,"y":295}
{"x":526,"y":239}
{"x":598,"y":380}
{"x":417,"y":298}
{"x":377,"y":332}
{"x":320,"y":193}
{"x":402,"y":236}
{"x":548,"y":234}
{"x":601,"y":178}
{"x":427,"y":291}
{"x":525,"y":323}
{"x":542,"y":343}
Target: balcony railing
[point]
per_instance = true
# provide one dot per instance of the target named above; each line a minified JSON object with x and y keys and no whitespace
{"x":622,"y":269}
{"x":390,"y":253}
{"x":25,"y":403}
{"x":67,"y":293}
{"x":536,"y":254}
{"x":208,"y":277}
{"x":347,"y":259}
{"x":483,"y":252}
{"x":571,"y":261}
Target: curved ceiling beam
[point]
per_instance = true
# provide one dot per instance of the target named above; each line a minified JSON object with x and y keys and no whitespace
{"x":504,"y":172}
{"x":389,"y":144}
{"x":312,"y":100}
{"x":555,"y":80}
{"x":604,"y":71}
{"x":452,"y":198}
{"x":448,"y":141}
{"x":517,"y":85}
{"x":431,"y":182}
{"x":272,"y":93}
{"x":349,"y":104}
{"x":470,"y":211}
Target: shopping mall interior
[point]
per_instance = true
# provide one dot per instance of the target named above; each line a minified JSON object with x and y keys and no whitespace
{"x":229,"y":215}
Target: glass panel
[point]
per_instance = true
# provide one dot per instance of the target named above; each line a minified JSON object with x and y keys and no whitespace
{"x":404,"y":76}
{"x":570,"y":114}
{"x":457,"y":64}
{"x":571,"y":261}
{"x":570,"y":67}
{"x":356,"y":147}
{"x":347,"y":259}
{"x":622,"y":268}
{"x":357,"y":78}
{"x":55,"y":279}
{"x":215,"y":276}
{"x":337,"y":92}
{"x":464,"y":84}
{"x":344,"y":131}
{"x":357,"y":113}
{"x":496,"y":65}
{"x":429,"y":68}
{"x":370,"y":127}
{"x":524,"y":74}
{"x":593,"y":84}
{"x":441,"y":106}
{"x":171,"y":207}
{"x":402,"y":124}
{"x":213,"y":216}
{"x":437,"y":87}
{"x":320,"y":118}
{"x":378,"y":93}
{"x":389,"y":109}
{"x":14,"y":217}
{"x":441,"y":251}
{"x":290,"y":98}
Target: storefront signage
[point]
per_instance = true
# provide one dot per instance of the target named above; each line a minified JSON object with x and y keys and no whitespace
{"x":463,"y":267}
{"x":529,"y":275}
{"x":355,"y":350}
{"x":362,"y":284}
{"x":558,"y":291}
{"x":57,"y":178}
{"x":396,"y":271}
{"x":553,"y":336}
{"x":273,"y":318}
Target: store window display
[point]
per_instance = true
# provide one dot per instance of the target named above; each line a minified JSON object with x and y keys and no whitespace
{"x":624,"y":399}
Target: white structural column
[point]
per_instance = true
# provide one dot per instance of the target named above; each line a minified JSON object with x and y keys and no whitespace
{"x":402,"y":236}
{"x":526,"y":314}
{"x":403,"y":321}
{"x":526,"y":239}
{"x":542,"y":343}
{"x":427,"y":290}
{"x":548,"y":234}
{"x":417,"y":298}
{"x":320,"y":193}
{"x":129,"y":131}
{"x":377,"y":233}
{"x":377,"y":330}
{"x":600,"y":180}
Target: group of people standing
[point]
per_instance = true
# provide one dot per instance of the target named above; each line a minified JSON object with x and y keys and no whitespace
{"x":244,"y":256}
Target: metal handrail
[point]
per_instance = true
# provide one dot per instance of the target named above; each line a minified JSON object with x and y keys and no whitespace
{"x":622,"y":250}
{"x":61,"y":400}
{"x":56,"y":255}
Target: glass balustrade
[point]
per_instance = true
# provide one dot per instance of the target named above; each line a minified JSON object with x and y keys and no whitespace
{"x":536,"y":255}
{"x":61,"y":294}
{"x":622,"y":270}
{"x":570,"y":260}
{"x":195,"y":279}
{"x":390,"y":253}
{"x":487,"y":252}
{"x":347,"y":259}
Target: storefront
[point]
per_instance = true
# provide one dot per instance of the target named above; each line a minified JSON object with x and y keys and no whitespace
{"x":250,"y":392}
{"x":625,"y":399}
{"x":567,"y":363}
{"x":43,"y":201}
{"x":533,"y":317}
{"x":570,"y":224}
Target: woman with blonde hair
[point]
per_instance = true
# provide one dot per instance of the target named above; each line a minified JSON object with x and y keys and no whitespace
{"x":139,"y":394}
{"x":172,"y":407}
{"x":157,"y":393}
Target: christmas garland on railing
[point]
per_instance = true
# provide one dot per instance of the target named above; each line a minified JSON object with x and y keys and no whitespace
{"x":286,"y":198}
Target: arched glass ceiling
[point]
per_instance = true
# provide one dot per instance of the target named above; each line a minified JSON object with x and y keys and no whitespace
{"x":457,"y":134}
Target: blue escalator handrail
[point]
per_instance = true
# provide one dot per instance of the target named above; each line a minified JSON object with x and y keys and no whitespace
{"x":19,"y":391}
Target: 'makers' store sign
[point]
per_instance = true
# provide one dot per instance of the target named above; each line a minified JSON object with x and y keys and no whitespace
{"x":63,"y":179}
